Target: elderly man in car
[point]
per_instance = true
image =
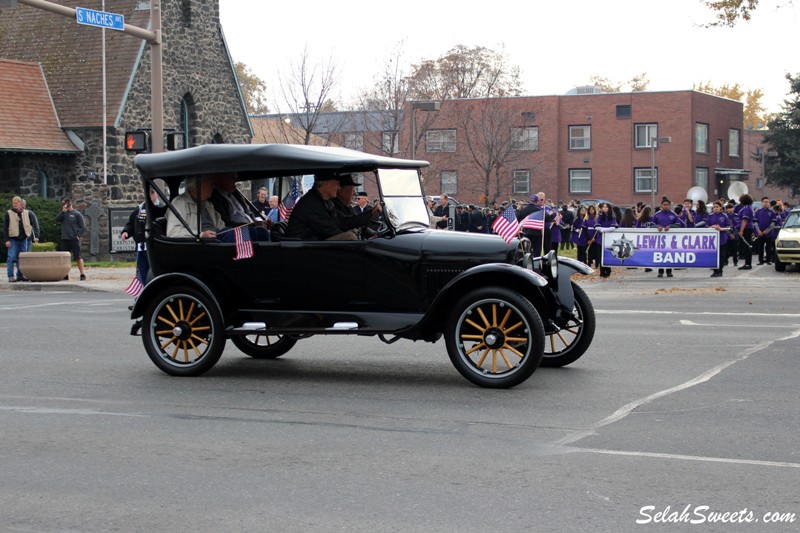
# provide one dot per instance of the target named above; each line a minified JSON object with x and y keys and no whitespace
{"x":196,"y":198}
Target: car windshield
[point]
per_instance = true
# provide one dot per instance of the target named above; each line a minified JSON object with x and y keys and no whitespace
{"x":793,"y":220}
{"x":402,"y":194}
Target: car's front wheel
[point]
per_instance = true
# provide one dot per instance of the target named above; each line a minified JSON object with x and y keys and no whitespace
{"x":567,"y":344}
{"x":780,"y":266}
{"x":494,"y":337}
{"x":261,"y":346}
{"x":182,"y":332}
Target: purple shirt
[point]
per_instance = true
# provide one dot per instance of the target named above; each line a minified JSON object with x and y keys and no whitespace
{"x":720,"y":219}
{"x":578,"y":232}
{"x":745,"y":213}
{"x":662,"y":219}
{"x":764,"y":218}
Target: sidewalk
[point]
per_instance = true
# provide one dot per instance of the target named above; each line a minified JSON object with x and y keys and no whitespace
{"x":106,"y":279}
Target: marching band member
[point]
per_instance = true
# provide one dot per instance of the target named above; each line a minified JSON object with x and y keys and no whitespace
{"x":719,"y":221}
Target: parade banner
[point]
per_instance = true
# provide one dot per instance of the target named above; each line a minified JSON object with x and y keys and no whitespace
{"x":676,"y":248}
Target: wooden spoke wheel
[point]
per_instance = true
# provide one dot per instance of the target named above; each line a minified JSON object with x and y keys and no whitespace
{"x":262,"y":346}
{"x":568,"y":343}
{"x":495,"y":337}
{"x":182,"y":332}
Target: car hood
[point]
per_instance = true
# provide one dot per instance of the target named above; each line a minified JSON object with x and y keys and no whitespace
{"x":460,"y":247}
{"x":789,"y":233}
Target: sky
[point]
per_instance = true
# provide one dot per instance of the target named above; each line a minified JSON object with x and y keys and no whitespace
{"x":557,"y":45}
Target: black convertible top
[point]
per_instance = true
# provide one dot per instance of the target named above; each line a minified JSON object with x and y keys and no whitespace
{"x":276,"y":159}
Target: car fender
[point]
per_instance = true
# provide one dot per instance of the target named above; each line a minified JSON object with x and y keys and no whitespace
{"x":564,"y":294}
{"x":156,"y":285}
{"x":526,"y":282}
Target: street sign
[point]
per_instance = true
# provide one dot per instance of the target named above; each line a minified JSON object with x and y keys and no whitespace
{"x":101,"y":19}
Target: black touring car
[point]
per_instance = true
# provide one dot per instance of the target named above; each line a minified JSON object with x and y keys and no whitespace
{"x":502,"y":311}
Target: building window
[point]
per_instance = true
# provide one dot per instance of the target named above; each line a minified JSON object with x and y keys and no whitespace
{"x":580,"y":137}
{"x":525,"y":138}
{"x":389,"y":142}
{"x":643,"y":180}
{"x":734,"y":142}
{"x":354,"y":141}
{"x":701,"y":177}
{"x":701,"y":138}
{"x":623,"y":111}
{"x":187,"y":118}
{"x":449,"y":182}
{"x":719,"y":150}
{"x":440,"y":141}
{"x":643,"y":133}
{"x":186,"y":13}
{"x":760,"y":182}
{"x":580,"y":181}
{"x":521,"y":182}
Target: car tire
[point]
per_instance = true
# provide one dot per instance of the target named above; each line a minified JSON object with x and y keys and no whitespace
{"x":568,"y":344}
{"x":264,"y":346}
{"x":182,"y":332}
{"x":780,"y":266}
{"x":494,"y":337}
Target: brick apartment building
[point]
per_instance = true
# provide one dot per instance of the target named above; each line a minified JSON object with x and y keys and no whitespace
{"x":574,"y":146}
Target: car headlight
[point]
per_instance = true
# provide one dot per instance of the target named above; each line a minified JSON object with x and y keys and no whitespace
{"x":787,"y":244}
{"x":546,"y":264}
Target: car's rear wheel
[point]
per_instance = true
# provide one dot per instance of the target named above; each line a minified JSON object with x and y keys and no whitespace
{"x":264,"y":346}
{"x":494,"y":337}
{"x":569,"y":343}
{"x":182,"y":332}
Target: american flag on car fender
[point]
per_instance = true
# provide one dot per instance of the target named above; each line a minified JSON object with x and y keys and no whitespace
{"x":244,"y":246}
{"x":289,"y":201}
{"x":506,"y":225}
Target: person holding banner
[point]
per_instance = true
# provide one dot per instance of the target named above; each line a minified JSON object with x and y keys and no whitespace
{"x":719,"y":221}
{"x":665,"y":219}
{"x":606,"y":219}
{"x":746,"y":216}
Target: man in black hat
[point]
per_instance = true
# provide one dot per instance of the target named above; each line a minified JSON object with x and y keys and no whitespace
{"x":362,"y":202}
{"x":314,"y":217}
{"x":349,"y":217}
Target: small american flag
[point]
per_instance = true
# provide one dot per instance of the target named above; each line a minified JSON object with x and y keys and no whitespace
{"x":534,"y":220}
{"x":289,"y":201}
{"x":244,"y":246}
{"x":506,"y":224}
{"x":135,"y":288}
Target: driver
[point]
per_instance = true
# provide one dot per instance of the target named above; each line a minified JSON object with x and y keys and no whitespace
{"x":314,"y":216}
{"x":349,"y":218}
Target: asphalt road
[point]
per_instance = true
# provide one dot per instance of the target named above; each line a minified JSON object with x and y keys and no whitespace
{"x":685,"y":406}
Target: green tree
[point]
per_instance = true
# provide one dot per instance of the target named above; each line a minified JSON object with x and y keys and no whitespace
{"x":253,"y":90}
{"x":783,"y":137}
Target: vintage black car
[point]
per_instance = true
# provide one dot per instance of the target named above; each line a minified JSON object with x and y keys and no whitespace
{"x":502,"y":312}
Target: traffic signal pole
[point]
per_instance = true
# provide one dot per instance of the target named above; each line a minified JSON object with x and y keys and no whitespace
{"x":153,"y":37}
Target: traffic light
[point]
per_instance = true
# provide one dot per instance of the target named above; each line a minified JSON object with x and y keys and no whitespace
{"x":137,"y":141}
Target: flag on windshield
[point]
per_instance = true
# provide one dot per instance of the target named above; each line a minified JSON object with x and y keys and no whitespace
{"x":289,"y":201}
{"x":244,"y":246}
{"x":506,"y":224}
{"x":534,"y":220}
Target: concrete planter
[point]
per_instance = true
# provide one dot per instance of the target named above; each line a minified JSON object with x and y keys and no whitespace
{"x":45,"y":266}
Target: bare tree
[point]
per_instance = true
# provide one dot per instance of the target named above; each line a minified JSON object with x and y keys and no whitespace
{"x":306,"y":91}
{"x":492,"y":143}
{"x":464,"y":72}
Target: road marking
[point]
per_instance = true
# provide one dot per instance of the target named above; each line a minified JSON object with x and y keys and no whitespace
{"x":627,"y":409}
{"x":681,"y":457}
{"x":52,"y":411}
{"x":750,"y":326}
{"x":54,"y":304}
{"x":684,"y":313}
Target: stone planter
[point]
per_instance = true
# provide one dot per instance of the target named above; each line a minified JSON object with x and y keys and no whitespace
{"x":45,"y":266}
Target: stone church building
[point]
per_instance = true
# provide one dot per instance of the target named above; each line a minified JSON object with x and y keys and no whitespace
{"x":51,"y":101}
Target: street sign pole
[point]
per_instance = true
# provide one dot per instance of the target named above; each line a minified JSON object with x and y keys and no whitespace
{"x":152,"y":37}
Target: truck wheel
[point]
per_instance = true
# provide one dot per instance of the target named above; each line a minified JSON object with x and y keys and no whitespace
{"x":494,"y":337}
